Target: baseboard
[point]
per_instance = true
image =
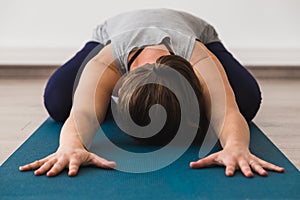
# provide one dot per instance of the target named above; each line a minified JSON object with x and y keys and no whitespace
{"x":44,"y":71}
{"x":275,"y":72}
{"x":26,"y":71}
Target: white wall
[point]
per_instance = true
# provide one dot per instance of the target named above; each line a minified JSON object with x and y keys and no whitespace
{"x":259,"y":32}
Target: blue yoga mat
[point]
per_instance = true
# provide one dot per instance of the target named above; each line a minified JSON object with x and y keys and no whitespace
{"x":176,"y":181}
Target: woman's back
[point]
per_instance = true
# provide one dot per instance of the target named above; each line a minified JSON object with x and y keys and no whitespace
{"x":141,"y":28}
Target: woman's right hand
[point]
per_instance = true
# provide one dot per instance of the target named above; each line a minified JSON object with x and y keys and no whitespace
{"x":69,"y":158}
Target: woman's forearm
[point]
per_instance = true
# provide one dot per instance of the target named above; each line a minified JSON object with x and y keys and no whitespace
{"x":72,"y":134}
{"x":69,"y":134}
{"x":235,"y":131}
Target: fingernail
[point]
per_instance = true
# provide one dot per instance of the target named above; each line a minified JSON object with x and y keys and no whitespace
{"x":49,"y":174}
{"x":111,"y":164}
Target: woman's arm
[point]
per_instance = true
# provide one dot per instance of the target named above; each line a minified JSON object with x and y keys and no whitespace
{"x":227,"y":120}
{"x":219,"y":94}
{"x":91,"y":100}
{"x":93,"y":94}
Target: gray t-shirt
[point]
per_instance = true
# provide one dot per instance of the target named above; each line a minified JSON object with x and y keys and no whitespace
{"x":140,"y":28}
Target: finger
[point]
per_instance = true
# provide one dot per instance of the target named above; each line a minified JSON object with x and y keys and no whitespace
{"x":270,"y":166}
{"x":230,"y":169}
{"x":73,"y":167}
{"x":101,"y":162}
{"x":245,"y":168}
{"x":205,"y":162}
{"x":258,"y":168}
{"x":34,"y":165}
{"x":57,"y":168}
{"x":44,"y":168}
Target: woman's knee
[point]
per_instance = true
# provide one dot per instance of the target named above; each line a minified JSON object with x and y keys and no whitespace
{"x":59,"y":89}
{"x":57,"y":103}
{"x":244,"y":85}
{"x":250,"y":103}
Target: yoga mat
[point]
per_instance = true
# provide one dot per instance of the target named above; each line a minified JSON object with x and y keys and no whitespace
{"x":176,"y":181}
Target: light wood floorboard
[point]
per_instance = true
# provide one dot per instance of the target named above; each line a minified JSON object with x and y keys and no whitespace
{"x":21,"y":111}
{"x":279,"y":116}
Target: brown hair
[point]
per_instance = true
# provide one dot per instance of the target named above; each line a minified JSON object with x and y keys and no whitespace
{"x":139,"y":99}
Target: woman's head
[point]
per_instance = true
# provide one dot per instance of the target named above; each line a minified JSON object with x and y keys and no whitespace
{"x":139,"y":99}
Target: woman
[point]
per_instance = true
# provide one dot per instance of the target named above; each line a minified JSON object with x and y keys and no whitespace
{"x":137,"y":44}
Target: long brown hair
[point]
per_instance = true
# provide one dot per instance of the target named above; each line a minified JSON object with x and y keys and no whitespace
{"x":138,"y":100}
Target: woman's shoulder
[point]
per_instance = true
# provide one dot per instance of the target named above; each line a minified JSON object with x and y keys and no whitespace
{"x":105,"y":57}
{"x":199,"y":53}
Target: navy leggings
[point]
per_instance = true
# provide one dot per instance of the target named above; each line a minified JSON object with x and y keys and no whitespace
{"x":59,"y":90}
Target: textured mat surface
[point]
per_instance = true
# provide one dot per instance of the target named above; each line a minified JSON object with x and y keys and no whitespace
{"x":176,"y":181}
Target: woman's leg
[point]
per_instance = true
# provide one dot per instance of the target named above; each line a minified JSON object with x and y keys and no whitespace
{"x":59,"y":89}
{"x":245,"y":87}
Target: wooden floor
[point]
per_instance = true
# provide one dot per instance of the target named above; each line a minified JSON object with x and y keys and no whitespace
{"x":22,"y":111}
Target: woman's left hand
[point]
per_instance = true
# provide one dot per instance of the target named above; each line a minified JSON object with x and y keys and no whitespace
{"x":234,"y":158}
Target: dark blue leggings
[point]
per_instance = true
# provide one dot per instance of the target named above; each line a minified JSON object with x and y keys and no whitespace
{"x":59,"y":90}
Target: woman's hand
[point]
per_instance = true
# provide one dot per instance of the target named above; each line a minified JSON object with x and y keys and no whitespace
{"x":69,"y":158}
{"x":234,"y":158}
